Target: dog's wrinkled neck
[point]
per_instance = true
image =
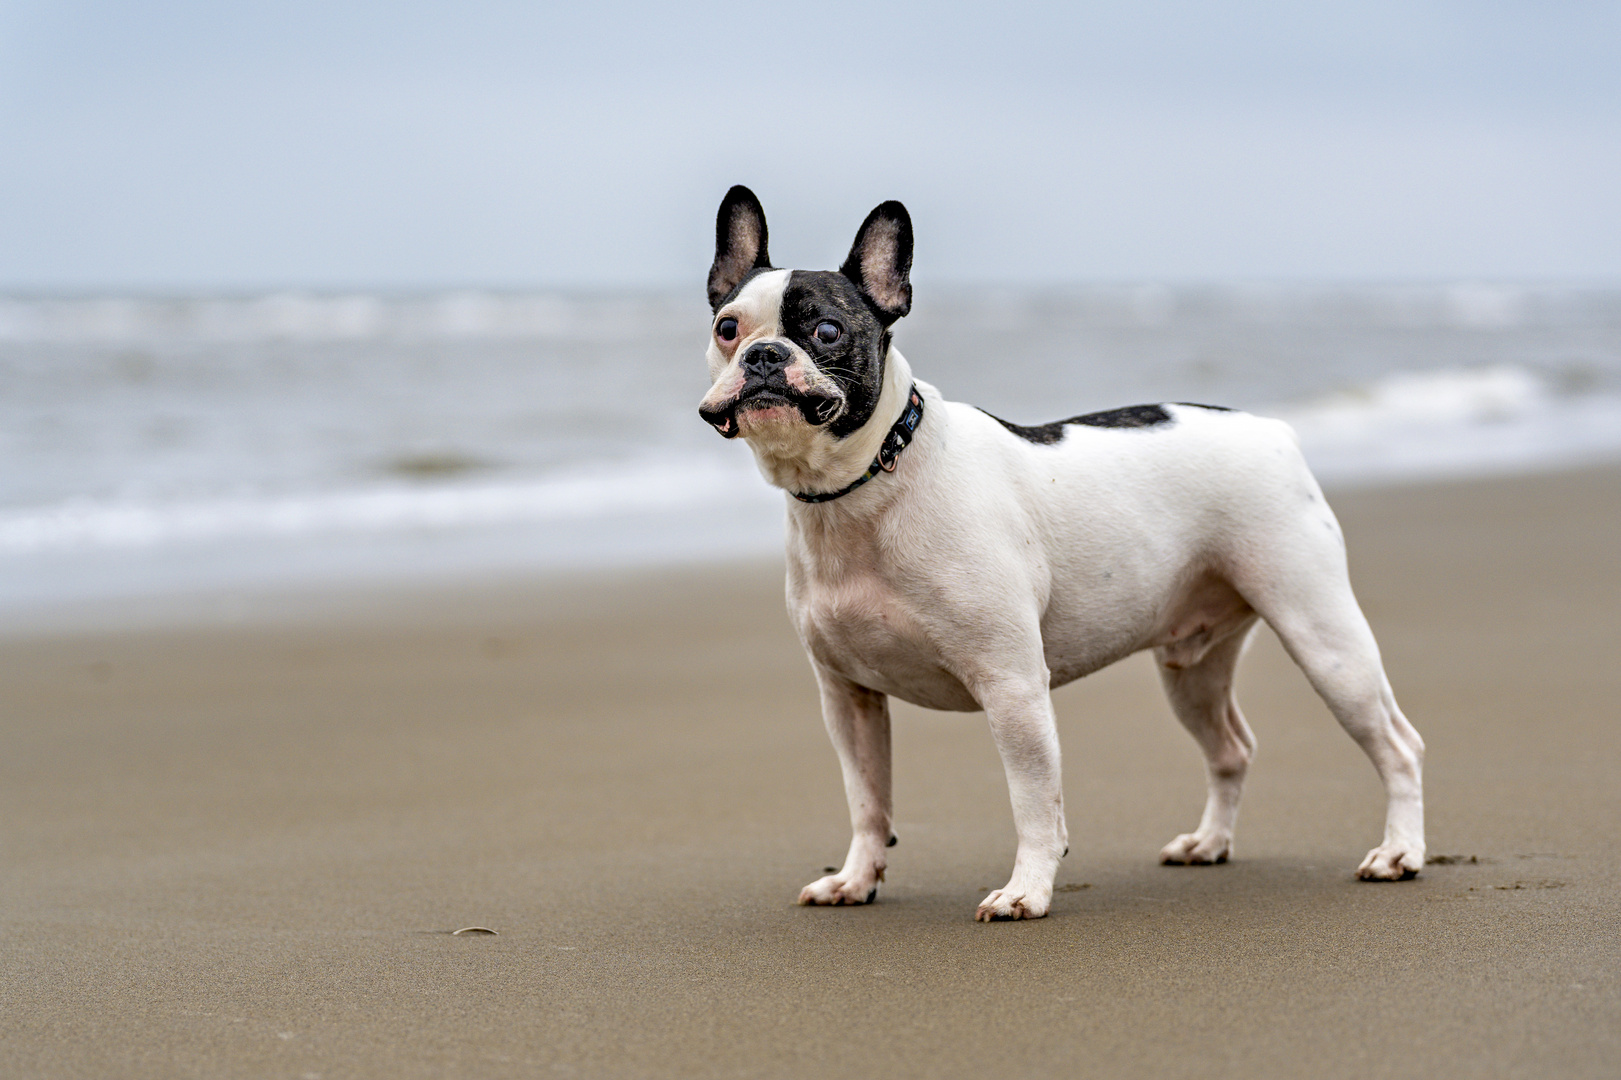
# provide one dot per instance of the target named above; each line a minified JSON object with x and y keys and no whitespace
{"x":823,"y":462}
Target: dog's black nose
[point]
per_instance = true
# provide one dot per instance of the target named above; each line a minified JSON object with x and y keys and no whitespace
{"x":764,"y":357}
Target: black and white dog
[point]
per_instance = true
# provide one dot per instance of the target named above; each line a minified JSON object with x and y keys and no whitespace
{"x":957,"y":561}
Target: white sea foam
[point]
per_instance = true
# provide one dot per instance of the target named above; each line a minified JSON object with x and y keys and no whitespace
{"x":1459,"y":422}
{"x":312,"y":317}
{"x":645,"y":488}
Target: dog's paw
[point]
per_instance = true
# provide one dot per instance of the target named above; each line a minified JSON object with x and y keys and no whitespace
{"x":1392,"y":862}
{"x":1013,"y":903}
{"x":1192,"y":849}
{"x":839,"y":888}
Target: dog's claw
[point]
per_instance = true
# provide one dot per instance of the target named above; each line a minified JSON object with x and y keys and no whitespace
{"x":836,"y":890}
{"x":1191,"y":849}
{"x":1004,"y":905}
{"x":1392,"y":862}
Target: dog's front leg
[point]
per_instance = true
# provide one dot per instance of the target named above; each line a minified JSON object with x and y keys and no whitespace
{"x":1021,"y":719}
{"x":858,"y":722}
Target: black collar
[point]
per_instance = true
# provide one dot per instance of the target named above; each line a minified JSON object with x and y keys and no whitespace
{"x":889,"y":453}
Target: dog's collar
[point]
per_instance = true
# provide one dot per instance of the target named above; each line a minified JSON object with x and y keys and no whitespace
{"x":889,"y":453}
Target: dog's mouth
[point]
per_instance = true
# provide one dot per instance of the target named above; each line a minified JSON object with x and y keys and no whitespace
{"x":765,"y":395}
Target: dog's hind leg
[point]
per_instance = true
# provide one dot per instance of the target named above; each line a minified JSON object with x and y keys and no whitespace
{"x":1201,"y":695}
{"x":1309,"y":603}
{"x":857,"y":720}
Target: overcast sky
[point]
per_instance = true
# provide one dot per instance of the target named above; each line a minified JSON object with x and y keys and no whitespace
{"x":217,"y":145}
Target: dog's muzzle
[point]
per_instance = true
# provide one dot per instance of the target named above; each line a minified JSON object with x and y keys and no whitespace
{"x":765,"y":384}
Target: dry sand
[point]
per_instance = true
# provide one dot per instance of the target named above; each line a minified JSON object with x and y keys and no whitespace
{"x":236,"y":850}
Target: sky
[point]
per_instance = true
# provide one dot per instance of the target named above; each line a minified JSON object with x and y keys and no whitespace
{"x":216,"y":145}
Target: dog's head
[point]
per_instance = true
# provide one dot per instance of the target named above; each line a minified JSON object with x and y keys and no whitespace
{"x":798,"y":356}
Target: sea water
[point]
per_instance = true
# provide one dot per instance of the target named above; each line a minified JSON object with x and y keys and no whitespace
{"x":164,"y":444}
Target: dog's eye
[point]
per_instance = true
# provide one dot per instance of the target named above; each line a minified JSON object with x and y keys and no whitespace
{"x":726,"y":329}
{"x":827,"y":333}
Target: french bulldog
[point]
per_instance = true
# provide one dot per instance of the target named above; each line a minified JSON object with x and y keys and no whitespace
{"x":957,"y":561}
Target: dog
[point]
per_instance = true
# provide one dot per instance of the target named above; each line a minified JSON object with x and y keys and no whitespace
{"x":957,"y":561}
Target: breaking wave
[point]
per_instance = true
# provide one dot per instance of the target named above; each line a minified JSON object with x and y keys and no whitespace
{"x":1453,"y":423}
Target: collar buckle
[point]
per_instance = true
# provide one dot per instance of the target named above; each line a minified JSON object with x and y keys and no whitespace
{"x":889,"y":454}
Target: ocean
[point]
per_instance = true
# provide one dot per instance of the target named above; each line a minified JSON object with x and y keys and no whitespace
{"x":188,"y":444}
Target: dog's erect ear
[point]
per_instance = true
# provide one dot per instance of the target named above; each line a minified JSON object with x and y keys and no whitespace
{"x":740,"y":243}
{"x":880,"y":261}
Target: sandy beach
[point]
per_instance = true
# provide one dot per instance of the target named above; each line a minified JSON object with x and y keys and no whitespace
{"x":235,"y":841}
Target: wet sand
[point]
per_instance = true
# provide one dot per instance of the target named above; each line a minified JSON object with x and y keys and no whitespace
{"x":236,"y":847}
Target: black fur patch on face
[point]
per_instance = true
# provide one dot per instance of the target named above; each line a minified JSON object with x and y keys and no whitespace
{"x":856,"y":359}
{"x":1132,"y":416}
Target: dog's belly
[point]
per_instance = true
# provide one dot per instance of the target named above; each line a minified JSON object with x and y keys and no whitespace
{"x":862,"y":632}
{"x":1071,"y":657}
{"x":869,"y":636}
{"x":1183,"y":621}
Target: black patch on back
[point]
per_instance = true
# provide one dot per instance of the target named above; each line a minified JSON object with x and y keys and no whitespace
{"x":1132,"y":416}
{"x":856,"y":360}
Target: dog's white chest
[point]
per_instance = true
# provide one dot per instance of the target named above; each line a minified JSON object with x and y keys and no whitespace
{"x":859,"y":627}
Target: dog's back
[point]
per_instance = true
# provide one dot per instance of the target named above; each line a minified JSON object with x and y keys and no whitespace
{"x":1114,"y":525}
